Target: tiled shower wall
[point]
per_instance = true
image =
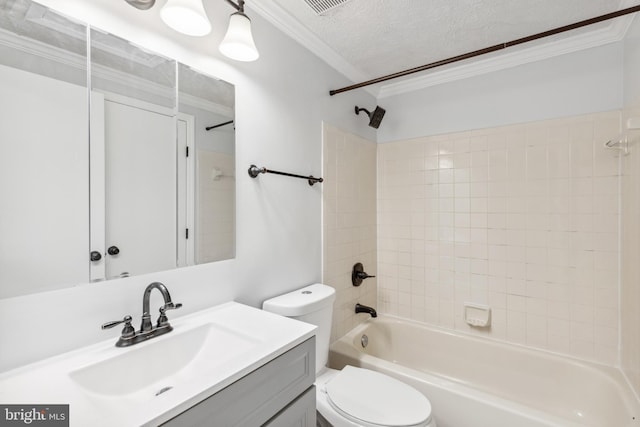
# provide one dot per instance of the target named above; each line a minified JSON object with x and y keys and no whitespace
{"x":630,"y":301}
{"x":630,"y":231}
{"x":522,"y":218}
{"x":216,"y":206}
{"x":349,"y":223}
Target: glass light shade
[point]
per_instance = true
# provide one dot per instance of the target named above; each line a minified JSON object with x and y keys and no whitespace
{"x":238,"y":42}
{"x":186,"y":16}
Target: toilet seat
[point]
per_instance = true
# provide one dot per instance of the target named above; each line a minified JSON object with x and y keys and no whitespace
{"x":369,"y":397}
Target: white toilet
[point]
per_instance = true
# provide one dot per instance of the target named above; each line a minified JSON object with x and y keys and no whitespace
{"x":352,"y":397}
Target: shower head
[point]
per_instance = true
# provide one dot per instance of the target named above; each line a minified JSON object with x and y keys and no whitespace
{"x":374,"y":118}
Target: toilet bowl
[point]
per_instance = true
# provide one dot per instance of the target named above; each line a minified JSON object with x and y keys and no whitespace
{"x":351,"y":397}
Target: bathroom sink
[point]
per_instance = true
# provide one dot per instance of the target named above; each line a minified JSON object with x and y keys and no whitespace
{"x":153,"y":381}
{"x":163,"y":362}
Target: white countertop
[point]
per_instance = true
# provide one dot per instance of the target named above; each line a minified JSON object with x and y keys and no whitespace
{"x":109,"y":386}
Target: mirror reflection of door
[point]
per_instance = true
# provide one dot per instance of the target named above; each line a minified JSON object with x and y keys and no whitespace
{"x":140,"y":187}
{"x":186,"y":183}
{"x":133,"y":155}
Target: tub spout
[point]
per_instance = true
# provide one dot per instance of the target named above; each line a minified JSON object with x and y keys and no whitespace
{"x":364,"y":309}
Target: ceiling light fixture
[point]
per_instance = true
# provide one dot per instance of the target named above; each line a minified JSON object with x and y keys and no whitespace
{"x":186,"y":17}
{"x":238,"y":43}
{"x":141,"y":4}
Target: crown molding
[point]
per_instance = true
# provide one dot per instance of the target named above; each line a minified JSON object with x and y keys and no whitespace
{"x":79,"y":62}
{"x":203,"y":104}
{"x":282,"y":20}
{"x":42,"y":50}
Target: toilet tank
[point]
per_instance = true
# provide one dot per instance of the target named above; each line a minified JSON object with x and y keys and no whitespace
{"x":312,"y":304}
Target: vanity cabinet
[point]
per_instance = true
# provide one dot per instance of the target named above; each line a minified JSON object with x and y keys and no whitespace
{"x":301,"y":412}
{"x":280,"y":393}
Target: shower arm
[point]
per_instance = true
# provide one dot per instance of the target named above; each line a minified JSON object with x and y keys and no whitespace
{"x":358,"y":109}
{"x":490,"y":49}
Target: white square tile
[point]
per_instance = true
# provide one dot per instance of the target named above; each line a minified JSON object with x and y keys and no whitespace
{"x":446,"y":147}
{"x":558,"y":160}
{"x":462,"y":175}
{"x":582,"y":158}
{"x":517,"y":163}
{"x":496,"y":204}
{"x":497,"y":165}
{"x":498,"y":189}
{"x":537,"y":167}
{"x":479,"y":204}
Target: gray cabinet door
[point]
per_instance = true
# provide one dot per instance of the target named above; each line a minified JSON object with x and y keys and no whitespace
{"x":300,"y":413}
{"x":257,"y":397}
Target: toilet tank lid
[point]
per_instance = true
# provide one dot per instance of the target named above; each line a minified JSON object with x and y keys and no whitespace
{"x":301,"y":301}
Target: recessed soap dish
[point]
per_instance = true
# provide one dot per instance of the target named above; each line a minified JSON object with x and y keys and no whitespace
{"x":477,"y":315}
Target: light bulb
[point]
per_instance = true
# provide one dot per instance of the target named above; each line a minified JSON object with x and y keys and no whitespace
{"x":238,"y":42}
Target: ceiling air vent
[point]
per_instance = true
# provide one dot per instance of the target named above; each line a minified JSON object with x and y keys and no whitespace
{"x":321,"y":6}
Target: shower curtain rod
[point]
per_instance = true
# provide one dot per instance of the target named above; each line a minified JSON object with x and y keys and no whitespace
{"x":490,"y":49}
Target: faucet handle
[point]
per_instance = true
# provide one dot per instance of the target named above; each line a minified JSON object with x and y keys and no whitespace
{"x":109,"y":325}
{"x":128,"y":330}
{"x":358,"y":274}
{"x":170,"y":306}
{"x":162,"y":320}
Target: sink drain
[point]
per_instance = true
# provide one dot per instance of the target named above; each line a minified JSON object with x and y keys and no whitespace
{"x":162,"y":390}
{"x":364,"y":341}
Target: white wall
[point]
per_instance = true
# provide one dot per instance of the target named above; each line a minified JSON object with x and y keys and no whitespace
{"x":281,"y":101}
{"x":632,"y":65}
{"x":583,"y":82}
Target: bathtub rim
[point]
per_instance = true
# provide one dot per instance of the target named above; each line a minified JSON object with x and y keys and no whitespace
{"x":346,"y":347}
{"x":406,"y":375}
{"x":480,"y":338}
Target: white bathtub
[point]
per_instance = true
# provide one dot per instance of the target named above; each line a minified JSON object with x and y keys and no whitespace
{"x":473,"y":382}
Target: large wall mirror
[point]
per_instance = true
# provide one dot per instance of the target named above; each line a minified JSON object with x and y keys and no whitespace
{"x":114,"y":160}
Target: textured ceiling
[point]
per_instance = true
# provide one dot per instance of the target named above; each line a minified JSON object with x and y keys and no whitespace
{"x":379,"y":37}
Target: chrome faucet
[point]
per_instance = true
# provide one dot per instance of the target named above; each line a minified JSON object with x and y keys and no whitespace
{"x":365,"y":309}
{"x":147,"y":331}
{"x":168,"y":305}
